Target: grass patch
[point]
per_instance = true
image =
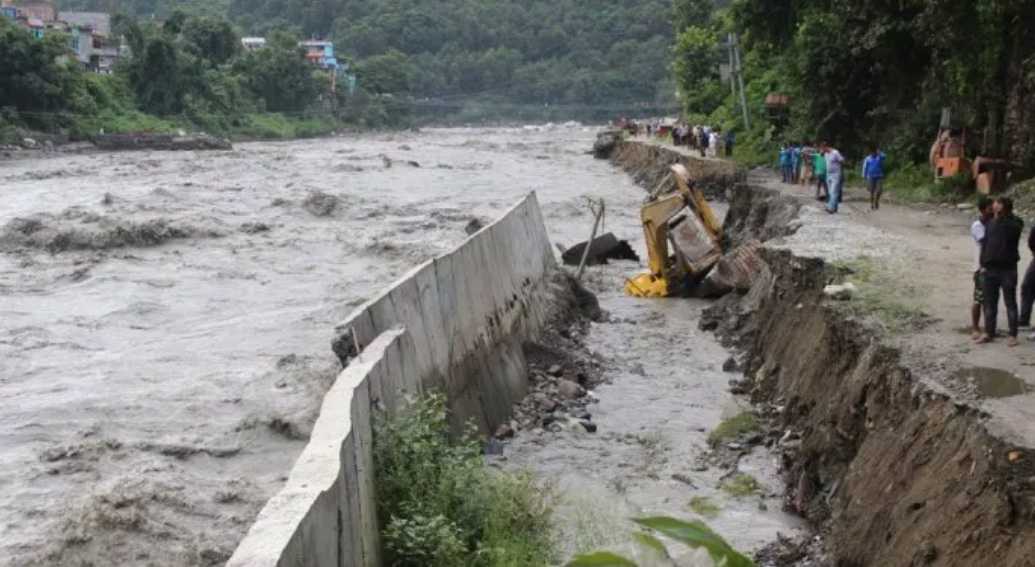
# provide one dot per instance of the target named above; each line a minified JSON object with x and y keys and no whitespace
{"x":741,"y":485}
{"x":704,"y":507}
{"x":733,"y":427}
{"x":883,"y":295}
{"x":915,"y":183}
{"x":440,"y":505}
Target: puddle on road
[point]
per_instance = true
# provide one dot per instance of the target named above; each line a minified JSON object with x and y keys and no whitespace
{"x":992,"y":382}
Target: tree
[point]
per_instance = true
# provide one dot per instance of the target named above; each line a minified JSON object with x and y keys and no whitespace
{"x":211,"y":39}
{"x":387,"y":73}
{"x":279,"y":75}
{"x":36,"y":76}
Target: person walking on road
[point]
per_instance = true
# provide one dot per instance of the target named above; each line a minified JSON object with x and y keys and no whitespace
{"x":819,"y":171}
{"x":1028,"y":287}
{"x":835,"y":177}
{"x":999,"y":258}
{"x":873,"y":173}
{"x":977,"y":232}
{"x":731,"y":139}
{"x":703,"y":142}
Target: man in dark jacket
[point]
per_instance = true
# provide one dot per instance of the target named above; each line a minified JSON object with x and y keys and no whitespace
{"x":1028,"y":287}
{"x":999,"y":257}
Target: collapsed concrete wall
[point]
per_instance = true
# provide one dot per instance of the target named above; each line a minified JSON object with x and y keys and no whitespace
{"x":455,"y":324}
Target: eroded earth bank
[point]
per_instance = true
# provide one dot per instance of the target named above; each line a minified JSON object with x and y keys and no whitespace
{"x":884,"y":453}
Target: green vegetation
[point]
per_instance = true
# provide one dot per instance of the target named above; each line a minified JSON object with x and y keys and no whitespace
{"x":883,"y":295}
{"x":188,"y":73}
{"x":440,"y":506}
{"x":864,"y":72}
{"x":741,"y":485}
{"x":470,"y":60}
{"x":696,"y":535}
{"x":704,"y":506}
{"x":740,"y":424}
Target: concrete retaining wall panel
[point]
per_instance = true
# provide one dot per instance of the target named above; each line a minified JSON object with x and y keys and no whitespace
{"x":455,"y":324}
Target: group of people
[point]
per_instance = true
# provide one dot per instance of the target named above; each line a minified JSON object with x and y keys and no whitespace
{"x":710,"y":142}
{"x":997,"y":235}
{"x":823,"y":165}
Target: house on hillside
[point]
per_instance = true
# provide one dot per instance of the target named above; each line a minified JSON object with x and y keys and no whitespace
{"x":320,"y":53}
{"x":253,"y":43}
{"x":9,"y":12}
{"x":92,"y":41}
{"x":41,"y":10}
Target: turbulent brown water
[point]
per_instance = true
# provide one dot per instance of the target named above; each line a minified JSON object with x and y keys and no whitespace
{"x":165,"y":321}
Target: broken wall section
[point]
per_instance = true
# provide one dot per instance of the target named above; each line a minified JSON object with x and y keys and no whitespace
{"x":455,"y":324}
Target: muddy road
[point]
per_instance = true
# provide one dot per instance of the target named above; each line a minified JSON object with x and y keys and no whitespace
{"x":166,"y":317}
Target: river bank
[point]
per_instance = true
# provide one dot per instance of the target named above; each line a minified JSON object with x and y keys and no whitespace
{"x":892,"y":417}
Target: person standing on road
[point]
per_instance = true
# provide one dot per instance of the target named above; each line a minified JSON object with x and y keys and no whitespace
{"x":835,"y":177}
{"x":1028,"y":287}
{"x":731,"y":139}
{"x":785,"y":163}
{"x":999,"y":258}
{"x":703,"y":142}
{"x":808,"y":167}
{"x":977,"y":232}
{"x":873,"y":173}
{"x":819,"y":171}
{"x":795,"y":162}
{"x":713,"y":144}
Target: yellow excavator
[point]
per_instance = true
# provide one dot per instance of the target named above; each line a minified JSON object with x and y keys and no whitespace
{"x":685,"y":221}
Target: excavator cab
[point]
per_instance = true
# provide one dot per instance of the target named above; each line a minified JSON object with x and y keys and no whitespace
{"x":684,"y":221}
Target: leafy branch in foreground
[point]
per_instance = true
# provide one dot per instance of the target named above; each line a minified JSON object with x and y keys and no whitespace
{"x":696,"y":535}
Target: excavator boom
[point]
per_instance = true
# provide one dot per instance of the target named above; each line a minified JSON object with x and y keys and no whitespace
{"x":686,"y":221}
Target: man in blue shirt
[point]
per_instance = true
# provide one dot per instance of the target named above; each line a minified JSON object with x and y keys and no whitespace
{"x":873,"y":173}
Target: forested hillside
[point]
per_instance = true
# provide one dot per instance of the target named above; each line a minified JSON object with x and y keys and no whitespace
{"x":872,"y":71}
{"x":489,"y":57}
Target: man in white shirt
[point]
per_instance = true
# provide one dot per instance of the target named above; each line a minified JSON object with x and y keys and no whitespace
{"x":835,"y":177}
{"x":977,"y":232}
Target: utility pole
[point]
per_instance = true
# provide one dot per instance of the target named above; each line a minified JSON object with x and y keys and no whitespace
{"x":737,"y":77}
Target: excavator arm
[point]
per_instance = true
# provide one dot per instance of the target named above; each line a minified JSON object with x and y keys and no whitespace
{"x":685,"y":221}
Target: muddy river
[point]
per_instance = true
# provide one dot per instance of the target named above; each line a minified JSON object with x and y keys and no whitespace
{"x":165,"y":324}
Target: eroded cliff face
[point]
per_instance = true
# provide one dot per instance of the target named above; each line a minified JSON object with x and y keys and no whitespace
{"x":892,"y":471}
{"x":649,"y":165}
{"x":890,"y":468}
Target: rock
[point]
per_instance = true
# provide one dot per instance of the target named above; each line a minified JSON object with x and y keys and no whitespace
{"x":684,"y":479}
{"x":739,"y":387}
{"x":840,"y":292}
{"x":730,"y":365}
{"x":412,"y":163}
{"x":603,"y":248}
{"x":605,"y":143}
{"x":405,"y":148}
{"x":569,"y":390}
{"x":29,"y":143}
{"x":965,"y":206}
{"x":474,"y":226}
{"x":504,"y":431}
{"x":548,"y":405}
{"x":589,"y":426}
{"x":556,"y":370}
{"x":925,"y":555}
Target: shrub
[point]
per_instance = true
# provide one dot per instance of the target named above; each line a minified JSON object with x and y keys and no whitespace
{"x":440,"y":505}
